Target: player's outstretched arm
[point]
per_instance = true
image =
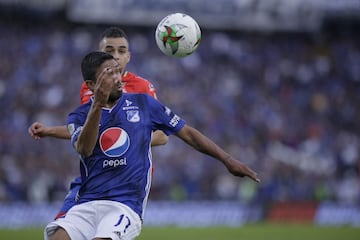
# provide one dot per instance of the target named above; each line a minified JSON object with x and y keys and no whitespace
{"x":205,"y":145}
{"x":39,"y":130}
{"x":159,"y":138}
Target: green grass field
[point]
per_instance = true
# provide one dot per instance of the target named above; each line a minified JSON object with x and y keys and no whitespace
{"x":248,"y":232}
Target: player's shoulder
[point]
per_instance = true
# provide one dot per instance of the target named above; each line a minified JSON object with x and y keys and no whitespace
{"x":79,"y":114}
{"x":134,"y":95}
{"x":83,"y":108}
{"x":139,"y":98}
{"x":130,"y":76}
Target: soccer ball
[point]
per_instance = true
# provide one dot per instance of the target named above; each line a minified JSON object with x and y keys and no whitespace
{"x":178,"y":35}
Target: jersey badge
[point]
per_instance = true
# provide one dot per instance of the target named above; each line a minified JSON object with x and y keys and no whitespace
{"x":133,"y":116}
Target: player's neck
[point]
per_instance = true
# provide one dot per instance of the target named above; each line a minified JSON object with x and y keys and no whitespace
{"x":111,"y":104}
{"x":113,"y":99}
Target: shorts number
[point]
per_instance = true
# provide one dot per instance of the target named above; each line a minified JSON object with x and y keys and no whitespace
{"x":122,"y":216}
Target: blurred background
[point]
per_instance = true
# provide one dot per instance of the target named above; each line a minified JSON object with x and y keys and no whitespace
{"x":276,"y":83}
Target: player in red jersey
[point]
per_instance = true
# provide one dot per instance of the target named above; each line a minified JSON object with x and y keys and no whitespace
{"x":132,"y":84}
{"x":115,"y":42}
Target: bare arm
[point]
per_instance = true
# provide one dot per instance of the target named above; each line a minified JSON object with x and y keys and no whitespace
{"x":39,"y":130}
{"x":205,"y":145}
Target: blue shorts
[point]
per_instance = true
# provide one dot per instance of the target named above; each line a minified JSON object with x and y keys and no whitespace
{"x":70,"y":199}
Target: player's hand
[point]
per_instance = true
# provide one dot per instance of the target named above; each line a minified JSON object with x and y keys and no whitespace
{"x":104,"y":85}
{"x":37,"y":130}
{"x":239,"y":169}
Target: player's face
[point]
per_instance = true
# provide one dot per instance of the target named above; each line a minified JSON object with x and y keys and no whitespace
{"x":118,"y":48}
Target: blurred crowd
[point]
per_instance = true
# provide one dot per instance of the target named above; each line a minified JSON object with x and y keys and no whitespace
{"x":286,"y":104}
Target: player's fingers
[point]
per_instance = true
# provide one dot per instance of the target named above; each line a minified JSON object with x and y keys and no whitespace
{"x":102,"y":76}
{"x":245,"y":171}
{"x":36,"y":130}
{"x":30,"y":131}
{"x":99,"y":79}
{"x":253,"y":175}
{"x":34,"y":126}
{"x":36,"y":137}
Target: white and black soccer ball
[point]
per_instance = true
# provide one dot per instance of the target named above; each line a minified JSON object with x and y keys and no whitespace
{"x":178,"y":35}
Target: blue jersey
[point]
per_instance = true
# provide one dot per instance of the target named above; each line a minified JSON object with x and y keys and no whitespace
{"x":70,"y":199}
{"x":120,"y":167}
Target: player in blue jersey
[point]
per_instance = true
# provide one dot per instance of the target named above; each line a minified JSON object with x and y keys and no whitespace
{"x":115,"y":42}
{"x":112,"y":135}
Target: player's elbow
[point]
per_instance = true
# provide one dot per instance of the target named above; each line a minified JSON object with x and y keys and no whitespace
{"x":159,"y":138}
{"x":163,"y":139}
{"x":83,"y":149}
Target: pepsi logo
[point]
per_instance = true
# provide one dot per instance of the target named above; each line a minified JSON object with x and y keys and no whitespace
{"x":114,"y":142}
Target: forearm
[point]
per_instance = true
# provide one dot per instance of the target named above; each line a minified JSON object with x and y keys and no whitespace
{"x":203,"y":144}
{"x":86,"y":142}
{"x":58,"y":132}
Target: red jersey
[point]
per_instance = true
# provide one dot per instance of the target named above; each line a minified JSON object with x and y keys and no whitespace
{"x":132,"y":84}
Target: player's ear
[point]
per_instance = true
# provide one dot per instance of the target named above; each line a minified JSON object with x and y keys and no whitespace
{"x":128,"y":57}
{"x":90,"y":84}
